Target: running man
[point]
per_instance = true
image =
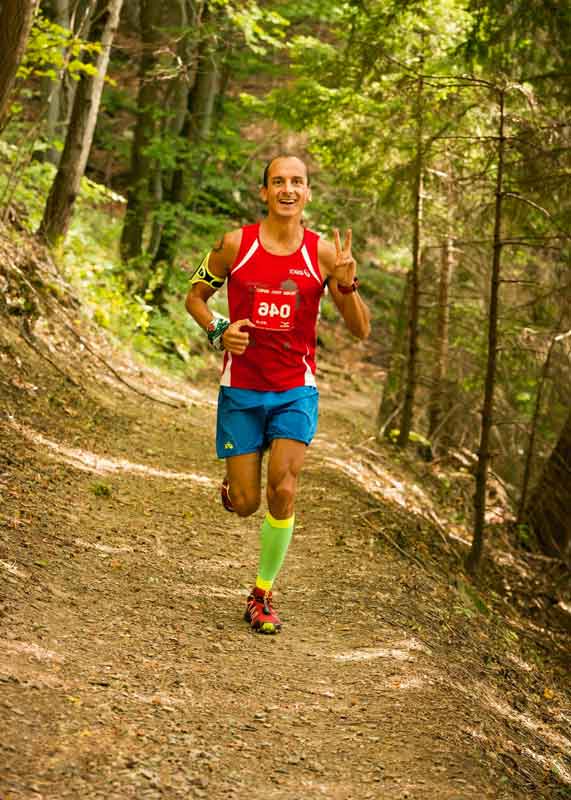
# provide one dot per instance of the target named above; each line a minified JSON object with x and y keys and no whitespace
{"x":277,"y":271}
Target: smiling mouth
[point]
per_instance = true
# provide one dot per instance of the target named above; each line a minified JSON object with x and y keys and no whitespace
{"x":288,"y":202}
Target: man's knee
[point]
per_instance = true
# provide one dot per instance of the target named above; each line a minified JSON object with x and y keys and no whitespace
{"x":245,"y":503}
{"x":281,"y":496}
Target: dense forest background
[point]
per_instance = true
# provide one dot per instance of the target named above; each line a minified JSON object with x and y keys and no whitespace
{"x":134,"y":133}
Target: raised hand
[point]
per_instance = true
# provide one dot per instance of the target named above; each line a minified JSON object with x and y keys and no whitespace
{"x":344,"y":267}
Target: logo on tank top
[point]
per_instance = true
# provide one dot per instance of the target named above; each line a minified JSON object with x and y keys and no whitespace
{"x":304,"y":272}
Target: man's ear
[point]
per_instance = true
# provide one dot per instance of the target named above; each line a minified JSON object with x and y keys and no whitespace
{"x":263,"y":194}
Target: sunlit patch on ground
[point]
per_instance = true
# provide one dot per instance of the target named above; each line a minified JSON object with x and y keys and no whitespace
{"x":12,"y":569}
{"x":506,"y":559}
{"x":198,"y":399}
{"x":380,"y":482}
{"x":549,"y":763}
{"x":540,"y":729}
{"x":402,"y":652}
{"x":519,"y":662}
{"x":31,"y":649}
{"x":90,"y":462}
{"x":103,"y":548}
{"x":162,"y":699}
{"x":455,"y":534}
{"x":212,"y":591}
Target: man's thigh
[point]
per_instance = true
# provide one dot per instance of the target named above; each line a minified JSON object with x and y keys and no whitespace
{"x":244,"y":475}
{"x":285,"y":460}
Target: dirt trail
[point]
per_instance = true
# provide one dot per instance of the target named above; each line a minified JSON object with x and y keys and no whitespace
{"x":126,"y":669}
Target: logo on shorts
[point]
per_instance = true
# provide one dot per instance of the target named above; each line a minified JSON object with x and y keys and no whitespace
{"x":228,"y":446}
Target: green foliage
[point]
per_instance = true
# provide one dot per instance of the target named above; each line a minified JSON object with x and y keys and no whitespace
{"x":52,"y":50}
{"x":30,"y":185}
{"x":261,"y":27}
{"x":101,"y":489}
{"x":522,"y":38}
{"x":417,"y":438}
{"x":524,"y":536}
{"x":470,"y":601}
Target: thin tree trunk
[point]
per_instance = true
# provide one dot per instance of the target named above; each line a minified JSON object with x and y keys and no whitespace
{"x":534,"y":423}
{"x":54,"y":90}
{"x":392,"y":389}
{"x":475,"y":554}
{"x":548,"y":508}
{"x":411,"y":378}
{"x":138,"y":195}
{"x":196,"y":129}
{"x":16,"y":17}
{"x":186,"y":16}
{"x":65,"y":188}
{"x":436,"y":403}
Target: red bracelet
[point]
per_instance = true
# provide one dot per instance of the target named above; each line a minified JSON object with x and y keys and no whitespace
{"x":349,"y":289}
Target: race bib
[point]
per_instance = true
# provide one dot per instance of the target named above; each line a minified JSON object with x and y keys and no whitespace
{"x":274,"y":309}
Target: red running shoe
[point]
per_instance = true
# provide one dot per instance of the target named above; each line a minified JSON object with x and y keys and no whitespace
{"x":260,"y":614}
{"x":225,"y":496}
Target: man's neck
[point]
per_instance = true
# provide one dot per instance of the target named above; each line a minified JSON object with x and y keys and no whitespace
{"x":281,"y":235}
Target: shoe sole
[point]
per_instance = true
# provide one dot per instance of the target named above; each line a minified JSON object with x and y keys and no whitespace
{"x":266,"y":627}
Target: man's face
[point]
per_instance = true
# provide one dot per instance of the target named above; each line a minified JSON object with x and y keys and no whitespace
{"x":287,"y":191}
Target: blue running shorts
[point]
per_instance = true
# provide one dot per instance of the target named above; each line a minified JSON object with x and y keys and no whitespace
{"x":248,"y":420}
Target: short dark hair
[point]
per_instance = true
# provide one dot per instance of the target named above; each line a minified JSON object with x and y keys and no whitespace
{"x":275,"y":158}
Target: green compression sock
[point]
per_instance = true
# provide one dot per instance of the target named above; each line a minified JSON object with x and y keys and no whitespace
{"x":275,"y":537}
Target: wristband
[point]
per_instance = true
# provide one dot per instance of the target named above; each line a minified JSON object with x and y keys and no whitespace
{"x":215,"y":330}
{"x":349,"y":289}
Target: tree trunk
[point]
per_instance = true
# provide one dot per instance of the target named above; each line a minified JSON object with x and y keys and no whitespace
{"x":392,"y":389}
{"x":440,"y":371}
{"x":54,"y":91}
{"x":475,"y":554}
{"x":522,"y":507}
{"x":140,"y":183}
{"x":548,"y":508}
{"x":185,"y":16}
{"x":196,"y":129}
{"x":65,"y":188}
{"x":16,"y":17}
{"x":411,"y":378}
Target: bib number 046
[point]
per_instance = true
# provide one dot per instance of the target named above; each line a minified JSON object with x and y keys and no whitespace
{"x":274,"y":309}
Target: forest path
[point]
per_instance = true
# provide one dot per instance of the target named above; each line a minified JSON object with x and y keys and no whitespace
{"x":126,"y":668}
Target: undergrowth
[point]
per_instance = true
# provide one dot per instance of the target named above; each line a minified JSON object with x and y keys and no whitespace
{"x":90,"y":262}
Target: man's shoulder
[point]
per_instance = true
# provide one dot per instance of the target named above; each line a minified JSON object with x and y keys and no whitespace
{"x":228,"y":246}
{"x":230,"y":239}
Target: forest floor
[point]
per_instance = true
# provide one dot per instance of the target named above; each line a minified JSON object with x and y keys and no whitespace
{"x":126,"y":668}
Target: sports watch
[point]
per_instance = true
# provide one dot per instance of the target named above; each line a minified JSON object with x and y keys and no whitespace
{"x":349,"y":289}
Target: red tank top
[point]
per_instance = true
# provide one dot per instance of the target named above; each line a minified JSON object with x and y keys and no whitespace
{"x":280,"y":295}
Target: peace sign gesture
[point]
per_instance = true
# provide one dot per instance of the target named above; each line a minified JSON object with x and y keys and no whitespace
{"x":344,"y":266}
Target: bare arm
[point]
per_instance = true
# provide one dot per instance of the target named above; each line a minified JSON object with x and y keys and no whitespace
{"x":222,"y":256}
{"x":337,"y":264}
